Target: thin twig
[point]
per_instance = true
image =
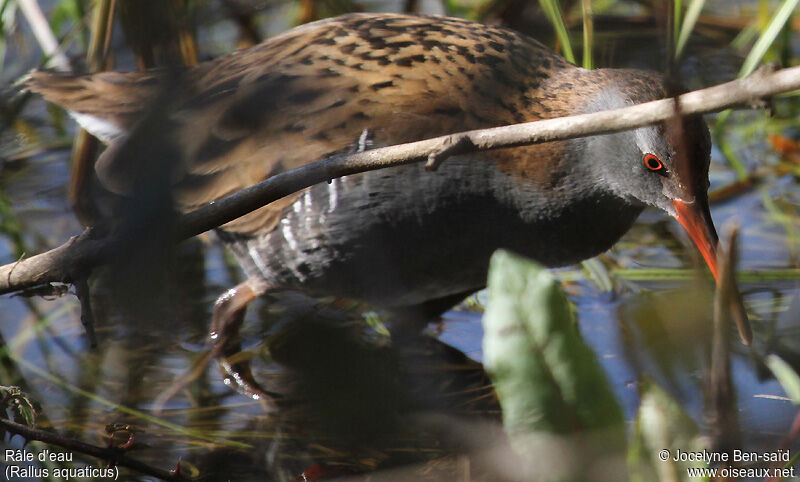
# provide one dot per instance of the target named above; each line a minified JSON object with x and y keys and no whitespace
{"x":723,"y":414}
{"x":44,"y":34}
{"x":108,"y":454}
{"x":763,"y":83}
{"x":87,"y":315}
{"x":85,"y":252}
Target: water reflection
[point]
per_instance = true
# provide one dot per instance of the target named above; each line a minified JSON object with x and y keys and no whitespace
{"x":349,"y":393}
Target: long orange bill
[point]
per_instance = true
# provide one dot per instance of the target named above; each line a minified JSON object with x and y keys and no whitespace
{"x":696,"y":219}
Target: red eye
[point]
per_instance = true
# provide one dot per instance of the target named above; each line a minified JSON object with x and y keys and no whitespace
{"x":652,"y":162}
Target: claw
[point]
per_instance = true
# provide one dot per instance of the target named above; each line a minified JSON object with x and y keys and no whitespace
{"x":177,"y":469}
{"x":228,"y":316}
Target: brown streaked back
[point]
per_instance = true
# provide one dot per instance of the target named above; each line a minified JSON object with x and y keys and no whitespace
{"x":313,"y":90}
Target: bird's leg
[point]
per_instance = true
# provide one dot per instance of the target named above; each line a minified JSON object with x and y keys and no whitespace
{"x":409,"y":321}
{"x":226,"y":321}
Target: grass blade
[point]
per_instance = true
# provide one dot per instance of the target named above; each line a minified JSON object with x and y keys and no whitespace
{"x":553,"y":12}
{"x":687,"y":25}
{"x":787,"y":377}
{"x":588,"y":33}
{"x":769,"y":35}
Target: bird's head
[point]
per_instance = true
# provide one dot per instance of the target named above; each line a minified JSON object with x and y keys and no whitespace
{"x":664,"y":165}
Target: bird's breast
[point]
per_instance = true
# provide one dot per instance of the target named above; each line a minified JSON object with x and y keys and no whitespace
{"x":401,"y":236}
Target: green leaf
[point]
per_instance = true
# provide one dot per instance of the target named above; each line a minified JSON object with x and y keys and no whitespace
{"x":64,"y":12}
{"x":662,"y":427}
{"x":19,"y":404}
{"x":598,"y":273}
{"x":546,"y":377}
{"x":786,"y":376}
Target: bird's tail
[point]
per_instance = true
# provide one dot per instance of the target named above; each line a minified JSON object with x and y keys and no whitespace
{"x":107,"y":104}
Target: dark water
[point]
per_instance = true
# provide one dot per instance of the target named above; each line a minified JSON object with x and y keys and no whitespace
{"x":655,"y":329}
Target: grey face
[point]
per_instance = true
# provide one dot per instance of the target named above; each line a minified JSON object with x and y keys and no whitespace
{"x":672,"y":166}
{"x":654,"y":165}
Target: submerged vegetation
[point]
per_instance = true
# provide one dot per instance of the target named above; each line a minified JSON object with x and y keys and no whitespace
{"x":615,"y":356}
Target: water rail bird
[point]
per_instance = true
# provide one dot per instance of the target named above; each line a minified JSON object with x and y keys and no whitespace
{"x":400,"y":238}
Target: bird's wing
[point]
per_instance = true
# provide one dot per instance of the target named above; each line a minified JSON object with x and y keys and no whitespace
{"x":314,"y":90}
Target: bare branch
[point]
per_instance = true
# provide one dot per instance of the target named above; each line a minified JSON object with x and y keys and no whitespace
{"x":722,"y":416}
{"x":44,"y":34}
{"x":738,"y":93}
{"x":109,"y":454}
{"x":84,"y":252}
